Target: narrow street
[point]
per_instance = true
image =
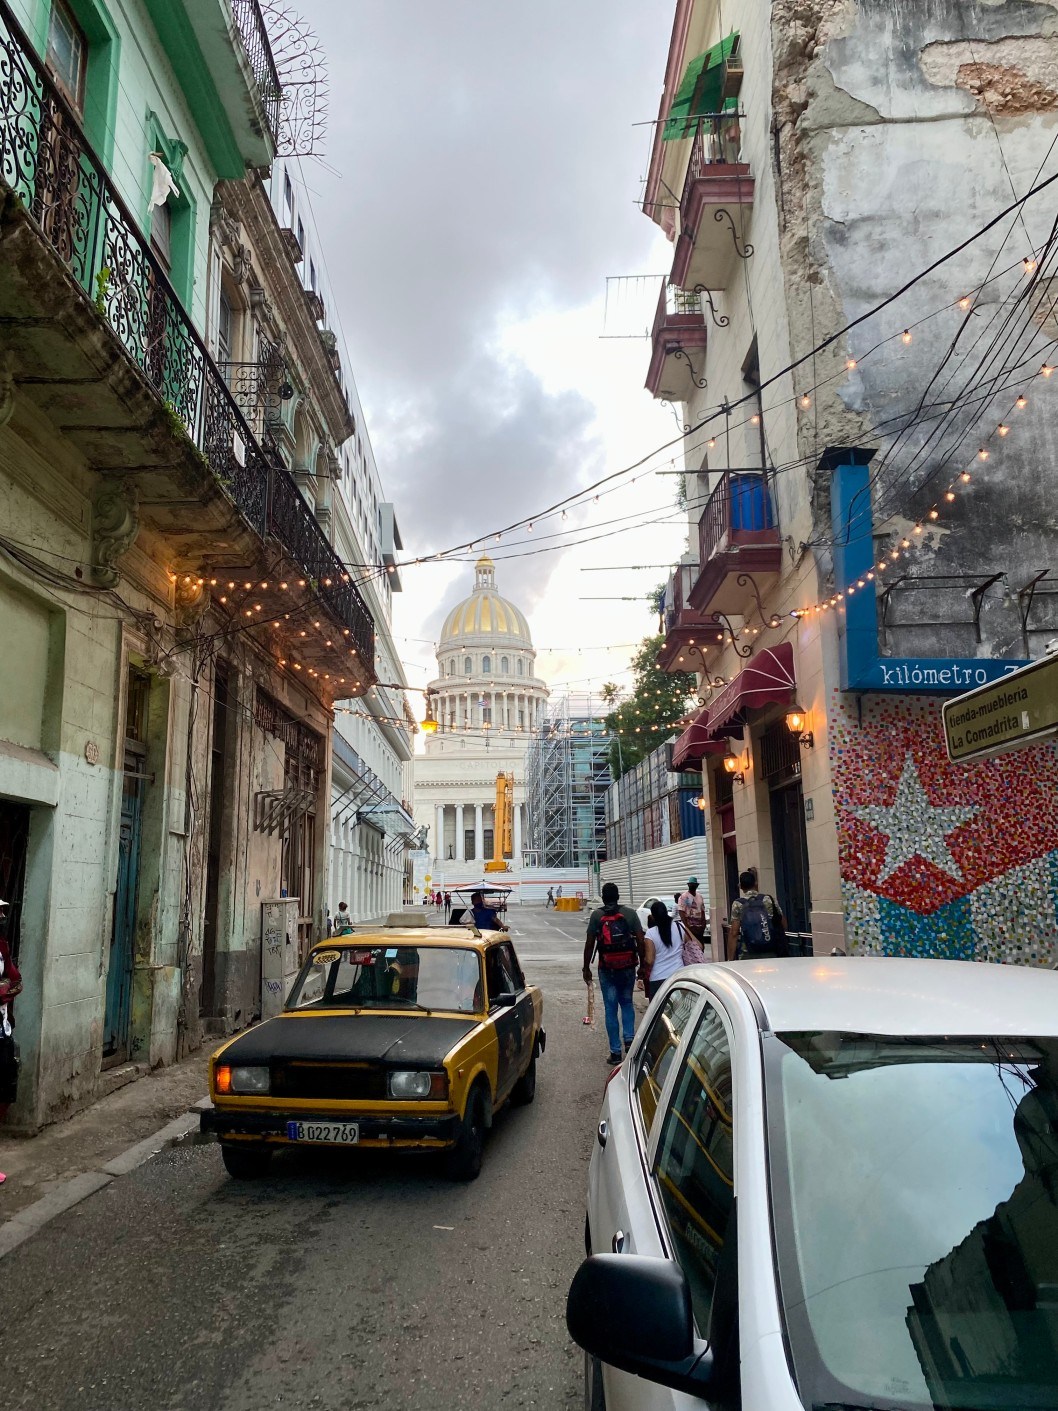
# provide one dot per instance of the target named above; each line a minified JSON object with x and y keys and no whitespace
{"x":335,"y":1282}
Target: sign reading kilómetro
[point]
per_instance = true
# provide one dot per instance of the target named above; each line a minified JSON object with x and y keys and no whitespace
{"x":1019,"y":709}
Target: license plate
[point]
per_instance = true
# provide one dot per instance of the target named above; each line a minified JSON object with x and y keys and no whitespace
{"x":336,"y":1133}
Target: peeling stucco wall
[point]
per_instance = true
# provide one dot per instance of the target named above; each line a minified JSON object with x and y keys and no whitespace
{"x":900,"y":129}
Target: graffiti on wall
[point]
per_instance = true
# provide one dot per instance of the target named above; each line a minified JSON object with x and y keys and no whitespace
{"x":939,"y":859}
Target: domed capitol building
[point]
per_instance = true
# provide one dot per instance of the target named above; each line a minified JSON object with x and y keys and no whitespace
{"x":487,"y":701}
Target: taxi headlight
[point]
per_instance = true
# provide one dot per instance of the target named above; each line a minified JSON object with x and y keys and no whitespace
{"x":409,"y":1084}
{"x":249,"y":1080}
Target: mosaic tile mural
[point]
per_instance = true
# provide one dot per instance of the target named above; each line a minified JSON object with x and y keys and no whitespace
{"x":941,"y":859}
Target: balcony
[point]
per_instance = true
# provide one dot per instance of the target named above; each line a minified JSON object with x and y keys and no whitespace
{"x":737,"y":537}
{"x":223,"y":61}
{"x":677,"y":362}
{"x":685,"y":629}
{"x":101,"y":344}
{"x":715,"y":207}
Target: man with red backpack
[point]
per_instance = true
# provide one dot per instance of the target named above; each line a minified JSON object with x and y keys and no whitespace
{"x":616,"y":935}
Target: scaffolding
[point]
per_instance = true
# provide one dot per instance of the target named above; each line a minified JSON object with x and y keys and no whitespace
{"x":567,"y":774}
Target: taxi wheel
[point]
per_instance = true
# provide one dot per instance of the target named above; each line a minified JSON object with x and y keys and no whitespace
{"x":524,"y":1089}
{"x":464,"y":1160}
{"x":245,"y":1163}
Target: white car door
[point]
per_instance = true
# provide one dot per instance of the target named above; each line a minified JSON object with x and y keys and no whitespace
{"x":621,"y":1211}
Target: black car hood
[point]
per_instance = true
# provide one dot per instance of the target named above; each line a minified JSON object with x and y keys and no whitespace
{"x":392,"y":1040}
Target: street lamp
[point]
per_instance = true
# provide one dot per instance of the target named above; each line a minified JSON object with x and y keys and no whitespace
{"x":428,"y":725}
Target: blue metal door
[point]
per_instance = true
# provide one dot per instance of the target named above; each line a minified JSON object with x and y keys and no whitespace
{"x":119,"y":971}
{"x":118,"y":1012}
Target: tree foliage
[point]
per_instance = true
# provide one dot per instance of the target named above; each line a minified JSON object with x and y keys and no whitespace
{"x":651,"y":712}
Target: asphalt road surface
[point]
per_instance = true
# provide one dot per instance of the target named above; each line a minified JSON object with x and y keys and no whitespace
{"x":339,"y":1281}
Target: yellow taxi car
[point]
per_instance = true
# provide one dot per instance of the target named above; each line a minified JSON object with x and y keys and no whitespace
{"x":403,"y":1037}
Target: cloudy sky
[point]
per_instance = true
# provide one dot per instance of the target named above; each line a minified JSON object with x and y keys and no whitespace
{"x":482,"y":165}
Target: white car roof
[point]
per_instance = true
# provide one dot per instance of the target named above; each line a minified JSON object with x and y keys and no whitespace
{"x":877,"y":995}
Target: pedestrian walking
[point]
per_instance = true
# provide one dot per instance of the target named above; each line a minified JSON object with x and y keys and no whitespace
{"x":10,"y":986}
{"x":550,"y":898}
{"x":758,"y":927}
{"x":664,"y":942}
{"x":343,"y":922}
{"x":438,"y":900}
{"x":614,"y":932}
{"x":558,"y":894}
{"x":448,"y":906}
{"x":691,"y":908}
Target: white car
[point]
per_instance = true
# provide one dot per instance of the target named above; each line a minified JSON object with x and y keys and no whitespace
{"x":828,"y":1184}
{"x":643,"y":910}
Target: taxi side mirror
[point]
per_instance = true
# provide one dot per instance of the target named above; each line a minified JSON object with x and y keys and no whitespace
{"x":504,"y":1000}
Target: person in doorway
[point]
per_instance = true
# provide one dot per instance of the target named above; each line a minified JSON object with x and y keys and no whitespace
{"x":758,"y":928}
{"x":550,"y":898}
{"x":343,"y":923}
{"x":615,"y":933}
{"x":691,"y":908}
{"x":10,"y":986}
{"x":485,"y":917}
{"x":664,"y":945}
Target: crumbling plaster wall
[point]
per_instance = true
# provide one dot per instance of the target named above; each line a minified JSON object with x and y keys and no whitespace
{"x":901,"y":129}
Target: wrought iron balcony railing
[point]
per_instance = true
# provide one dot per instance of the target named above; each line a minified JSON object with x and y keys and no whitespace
{"x":46,"y":161}
{"x":738,"y":511}
{"x":251,"y":26}
{"x":717,"y":142}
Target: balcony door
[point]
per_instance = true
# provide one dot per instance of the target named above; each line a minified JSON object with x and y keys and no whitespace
{"x":58,"y":175}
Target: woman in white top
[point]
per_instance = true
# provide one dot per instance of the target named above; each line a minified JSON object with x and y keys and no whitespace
{"x":666,"y":937}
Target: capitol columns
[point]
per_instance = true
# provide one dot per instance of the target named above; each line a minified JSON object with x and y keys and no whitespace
{"x":439,"y":846}
{"x":460,"y":835}
{"x":479,"y":834}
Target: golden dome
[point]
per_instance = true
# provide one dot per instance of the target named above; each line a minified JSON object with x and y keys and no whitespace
{"x":485,"y":613}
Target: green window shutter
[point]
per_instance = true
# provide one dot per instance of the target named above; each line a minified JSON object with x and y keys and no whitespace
{"x":701,"y":89}
{"x":677,"y":124}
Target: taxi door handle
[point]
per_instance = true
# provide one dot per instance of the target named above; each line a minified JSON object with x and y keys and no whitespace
{"x":604,"y":1132}
{"x":617,"y":1244}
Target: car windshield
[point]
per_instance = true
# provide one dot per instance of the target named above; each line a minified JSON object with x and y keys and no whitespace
{"x":370,"y":976}
{"x":914,"y":1185}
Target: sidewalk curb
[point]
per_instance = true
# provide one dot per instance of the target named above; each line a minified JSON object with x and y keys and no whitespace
{"x":70,"y":1193}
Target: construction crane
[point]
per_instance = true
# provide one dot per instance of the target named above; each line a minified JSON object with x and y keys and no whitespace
{"x":503,"y":824}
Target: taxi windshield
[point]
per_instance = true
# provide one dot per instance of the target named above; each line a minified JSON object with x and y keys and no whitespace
{"x":915,"y":1198}
{"x":366,"y":976}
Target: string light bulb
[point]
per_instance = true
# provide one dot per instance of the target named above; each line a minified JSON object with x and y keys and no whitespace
{"x":1022,"y":402}
{"x":983,"y":453}
{"x":1046,"y":369}
{"x":1002,"y":429}
{"x":850,"y":364}
{"x":806,"y":401}
{"x":905,"y":337}
{"x":1029,"y":264}
{"x":964,"y":302}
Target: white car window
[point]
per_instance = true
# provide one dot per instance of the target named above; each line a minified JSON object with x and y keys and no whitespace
{"x":655,"y":1057}
{"x":694,"y":1162}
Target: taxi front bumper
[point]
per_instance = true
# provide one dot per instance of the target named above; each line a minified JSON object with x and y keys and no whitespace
{"x":376,"y":1129}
